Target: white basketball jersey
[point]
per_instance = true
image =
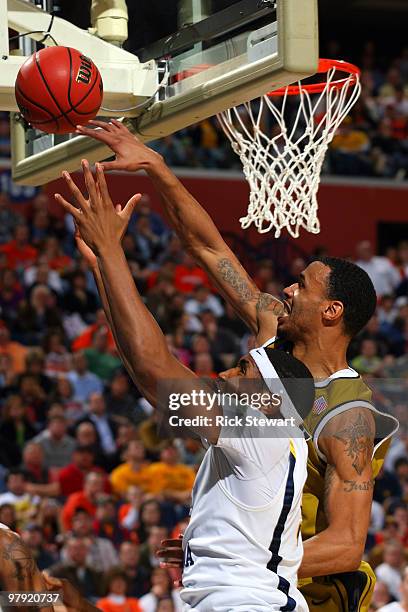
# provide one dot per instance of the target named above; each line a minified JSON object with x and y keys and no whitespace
{"x":243,"y":547}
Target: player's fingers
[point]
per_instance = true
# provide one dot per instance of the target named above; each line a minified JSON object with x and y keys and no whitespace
{"x":68,"y":207}
{"x":103,"y":188}
{"x":76,"y":192}
{"x":105,"y":137}
{"x":118,"y":208}
{"x":107,"y":126}
{"x":113,"y":165}
{"x":119,"y":125}
{"x":173,"y":554}
{"x":90,"y":183}
{"x":51,"y":581}
{"x":176,"y":542}
{"x":127,"y":212}
{"x":170,"y":564}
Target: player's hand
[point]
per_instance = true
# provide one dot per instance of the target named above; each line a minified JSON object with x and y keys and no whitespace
{"x":171,"y":553}
{"x":72,"y":599}
{"x":101,"y":225}
{"x":131,"y":154}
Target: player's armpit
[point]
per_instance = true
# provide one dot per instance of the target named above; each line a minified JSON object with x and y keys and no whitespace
{"x":347,"y":442}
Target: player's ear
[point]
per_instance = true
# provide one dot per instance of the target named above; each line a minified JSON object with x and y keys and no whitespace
{"x":333,"y":312}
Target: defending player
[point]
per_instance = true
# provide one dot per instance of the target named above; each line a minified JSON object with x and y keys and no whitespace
{"x":330,"y":304}
{"x":243,"y":545}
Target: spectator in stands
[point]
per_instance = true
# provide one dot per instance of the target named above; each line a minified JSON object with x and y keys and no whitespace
{"x":16,"y":351}
{"x":11,"y":295}
{"x":116,"y":599}
{"x":71,"y":478}
{"x":64,"y":395}
{"x":150,"y":516}
{"x":120,"y":401}
{"x":203,"y":301}
{"x":132,"y":472}
{"x":24,"y":504}
{"x":368,"y":361}
{"x":169,"y":477}
{"x":129,"y":512}
{"x":381,"y":595}
{"x":56,"y":258}
{"x":57,"y":358}
{"x":162,"y":587}
{"x":32,"y":537}
{"x":84,"y":340}
{"x":136,"y":577}
{"x":79,"y":299}
{"x":106,"y":521}
{"x":38,"y":314}
{"x":76,"y":570}
{"x":19,"y":253}
{"x":8,"y":516}
{"x":390,"y":570}
{"x":349,"y":150}
{"x":100,"y":360}
{"x":8,"y":219}
{"x":33,"y":464}
{"x":188,"y":276}
{"x":41,"y":274}
{"x":35,"y":367}
{"x":57,"y":445}
{"x":402,"y":604}
{"x":203,"y":365}
{"x":15,"y":426}
{"x":83,"y":381}
{"x":384,"y":276}
{"x":102,"y":555}
{"x":85,"y":499}
{"x":104,"y":425}
{"x":148,"y":551}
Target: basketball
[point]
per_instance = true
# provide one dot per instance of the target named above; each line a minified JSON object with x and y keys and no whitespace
{"x":58,"y":88}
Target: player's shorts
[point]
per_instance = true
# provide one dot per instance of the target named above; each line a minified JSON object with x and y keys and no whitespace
{"x":348,"y":592}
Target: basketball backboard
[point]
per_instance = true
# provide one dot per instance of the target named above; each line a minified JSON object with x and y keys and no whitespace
{"x":221,"y":54}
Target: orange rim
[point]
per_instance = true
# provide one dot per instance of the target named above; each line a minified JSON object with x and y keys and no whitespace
{"x":324,"y":66}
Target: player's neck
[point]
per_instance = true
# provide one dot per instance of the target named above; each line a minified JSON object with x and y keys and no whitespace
{"x":323,"y":356}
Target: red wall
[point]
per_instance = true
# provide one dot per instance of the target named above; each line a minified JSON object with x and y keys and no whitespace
{"x":348,"y":210}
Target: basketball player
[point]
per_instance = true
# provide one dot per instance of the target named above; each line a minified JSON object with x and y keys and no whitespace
{"x":331,"y":303}
{"x":243,"y":545}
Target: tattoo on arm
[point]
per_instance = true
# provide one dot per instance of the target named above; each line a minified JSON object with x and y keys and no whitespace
{"x":357,"y":438}
{"x":270,"y":303}
{"x":352,"y":485}
{"x":17,"y":554}
{"x":235,"y":280}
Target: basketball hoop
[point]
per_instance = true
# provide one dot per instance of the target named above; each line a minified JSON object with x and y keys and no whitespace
{"x":283,"y":168}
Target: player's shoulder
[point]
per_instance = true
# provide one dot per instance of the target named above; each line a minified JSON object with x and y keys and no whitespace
{"x":340,"y":392}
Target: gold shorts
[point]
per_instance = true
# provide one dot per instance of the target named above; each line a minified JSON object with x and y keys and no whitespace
{"x":348,"y":592}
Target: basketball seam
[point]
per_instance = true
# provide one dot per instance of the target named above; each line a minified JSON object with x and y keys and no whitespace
{"x":54,"y":118}
{"x":50,"y":92}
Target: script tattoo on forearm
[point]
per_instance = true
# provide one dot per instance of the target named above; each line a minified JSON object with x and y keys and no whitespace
{"x":352,"y":485}
{"x":357,"y":438}
{"x":235,"y":280}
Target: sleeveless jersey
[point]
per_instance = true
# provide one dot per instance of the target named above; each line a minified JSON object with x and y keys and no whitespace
{"x":243,"y":547}
{"x":343,"y":390}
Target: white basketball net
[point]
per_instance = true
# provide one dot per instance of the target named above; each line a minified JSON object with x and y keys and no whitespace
{"x":283,"y":170}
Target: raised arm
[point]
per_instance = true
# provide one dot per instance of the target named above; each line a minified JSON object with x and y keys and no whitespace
{"x":194,"y":227}
{"x":139,"y":337}
{"x":347,"y":442}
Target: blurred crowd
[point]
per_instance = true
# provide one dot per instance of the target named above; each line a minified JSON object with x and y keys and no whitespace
{"x":85,"y":476}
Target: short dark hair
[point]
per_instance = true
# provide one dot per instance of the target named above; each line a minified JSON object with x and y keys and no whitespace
{"x":296,"y":378}
{"x":352,"y":286}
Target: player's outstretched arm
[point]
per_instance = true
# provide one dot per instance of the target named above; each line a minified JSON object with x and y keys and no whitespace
{"x":194,"y":227}
{"x":347,"y":442}
{"x":140,"y":338}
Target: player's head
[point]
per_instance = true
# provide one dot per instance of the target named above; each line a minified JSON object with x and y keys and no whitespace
{"x":331,"y":294}
{"x":281,"y":374}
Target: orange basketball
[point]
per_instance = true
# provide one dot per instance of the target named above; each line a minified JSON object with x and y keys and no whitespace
{"x":57,"y":89}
